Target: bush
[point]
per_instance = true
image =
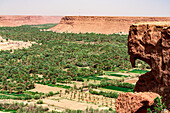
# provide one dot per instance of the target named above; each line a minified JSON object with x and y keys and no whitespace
{"x":36,"y":96}
{"x":78,"y":79}
{"x":40,"y":102}
{"x":157,"y":107}
{"x":106,"y":94}
{"x":50,"y":93}
{"x":27,"y":97}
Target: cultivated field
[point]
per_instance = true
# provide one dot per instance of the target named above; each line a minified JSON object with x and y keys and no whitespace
{"x":60,"y":73}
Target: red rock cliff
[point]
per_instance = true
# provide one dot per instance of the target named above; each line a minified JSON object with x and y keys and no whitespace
{"x":150,"y":42}
{"x":100,"y":24}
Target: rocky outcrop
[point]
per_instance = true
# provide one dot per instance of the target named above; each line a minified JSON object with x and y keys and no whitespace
{"x":100,"y":24}
{"x":150,"y":42}
{"x":134,"y":102}
{"x":12,"y":21}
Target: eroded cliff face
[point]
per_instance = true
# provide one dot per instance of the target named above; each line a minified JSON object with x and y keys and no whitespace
{"x":12,"y":21}
{"x":100,"y":24}
{"x":150,"y":42}
{"x":135,"y":102}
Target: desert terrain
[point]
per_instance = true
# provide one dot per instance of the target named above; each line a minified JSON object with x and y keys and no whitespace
{"x":49,"y":71}
{"x":101,"y":24}
{"x":12,"y":21}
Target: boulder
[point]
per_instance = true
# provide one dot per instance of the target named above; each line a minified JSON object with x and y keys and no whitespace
{"x":134,"y":102}
{"x":150,"y":42}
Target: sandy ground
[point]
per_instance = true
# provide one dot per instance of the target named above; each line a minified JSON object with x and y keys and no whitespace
{"x":109,"y":90}
{"x":69,"y":104}
{"x":45,"y":88}
{"x":11,"y":45}
{"x":110,"y":77}
{"x":132,"y":80}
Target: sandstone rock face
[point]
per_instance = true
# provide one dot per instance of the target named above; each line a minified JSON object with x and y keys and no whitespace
{"x":12,"y":21}
{"x":100,"y":24}
{"x":135,"y":102}
{"x":150,"y":42}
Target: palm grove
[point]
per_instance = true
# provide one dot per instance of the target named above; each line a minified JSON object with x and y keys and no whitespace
{"x":59,"y":58}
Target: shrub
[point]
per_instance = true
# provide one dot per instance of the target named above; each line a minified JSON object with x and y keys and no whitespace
{"x":27,"y":97}
{"x":157,"y":107}
{"x":50,"y":93}
{"x":106,"y":94}
{"x":40,"y":102}
{"x":36,"y":96}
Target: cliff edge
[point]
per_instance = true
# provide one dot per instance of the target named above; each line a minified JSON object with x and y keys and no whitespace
{"x":150,"y":42}
{"x":12,"y":21}
{"x":101,"y":24}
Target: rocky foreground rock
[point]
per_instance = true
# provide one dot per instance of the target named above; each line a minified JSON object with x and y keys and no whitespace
{"x":150,"y":42}
{"x":134,"y":102}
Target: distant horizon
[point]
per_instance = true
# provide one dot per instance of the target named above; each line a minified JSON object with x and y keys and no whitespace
{"x":131,"y":8}
{"x":84,"y":15}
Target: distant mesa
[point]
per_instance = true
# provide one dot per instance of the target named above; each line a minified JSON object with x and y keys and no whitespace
{"x":12,"y":21}
{"x":101,"y":24}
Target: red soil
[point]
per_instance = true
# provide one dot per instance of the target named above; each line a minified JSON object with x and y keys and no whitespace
{"x":12,"y":21}
{"x":101,"y":24}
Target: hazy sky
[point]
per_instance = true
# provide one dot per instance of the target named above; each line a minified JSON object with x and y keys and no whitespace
{"x":86,"y":7}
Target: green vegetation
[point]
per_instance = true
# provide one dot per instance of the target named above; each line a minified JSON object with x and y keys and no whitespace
{"x":89,"y":110}
{"x":138,"y":71}
{"x":26,"y":95}
{"x":39,"y":102}
{"x":157,"y":107}
{"x":117,"y":75}
{"x":118,"y":88}
{"x":43,"y":26}
{"x":105,"y":94}
{"x":114,"y":83}
{"x":58,"y":52}
{"x":56,"y":85}
{"x":61,"y":58}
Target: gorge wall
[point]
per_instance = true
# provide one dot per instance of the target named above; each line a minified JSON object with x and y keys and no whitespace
{"x":150,"y":42}
{"x":12,"y":21}
{"x":100,"y":24}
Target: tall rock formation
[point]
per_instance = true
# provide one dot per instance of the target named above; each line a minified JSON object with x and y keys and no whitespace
{"x":150,"y":42}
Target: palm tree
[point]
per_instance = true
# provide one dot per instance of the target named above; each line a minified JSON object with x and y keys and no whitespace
{"x":10,"y":87}
{"x":20,"y":88}
{"x":60,"y":92}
